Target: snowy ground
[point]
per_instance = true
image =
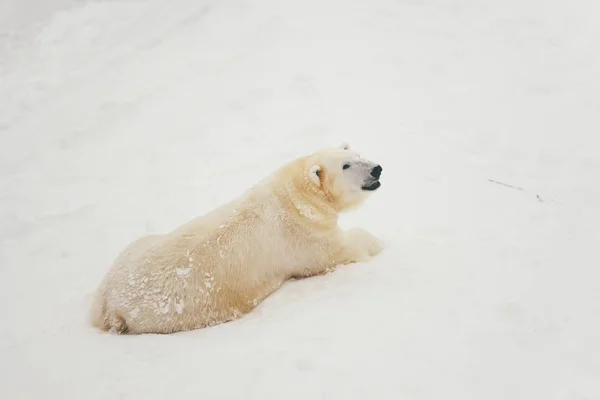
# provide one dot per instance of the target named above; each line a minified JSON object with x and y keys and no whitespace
{"x":120,"y":118}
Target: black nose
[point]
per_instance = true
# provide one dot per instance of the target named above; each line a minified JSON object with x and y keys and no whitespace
{"x":376,"y":171}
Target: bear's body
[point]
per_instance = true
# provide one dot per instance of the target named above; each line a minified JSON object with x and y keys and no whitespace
{"x":220,"y":266}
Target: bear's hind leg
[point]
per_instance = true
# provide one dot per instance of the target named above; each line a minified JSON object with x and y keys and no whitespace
{"x":115,"y":323}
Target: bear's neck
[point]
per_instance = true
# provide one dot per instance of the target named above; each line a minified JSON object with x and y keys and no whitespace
{"x":312,"y":207}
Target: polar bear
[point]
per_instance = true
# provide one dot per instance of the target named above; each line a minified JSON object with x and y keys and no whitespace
{"x":220,"y":266}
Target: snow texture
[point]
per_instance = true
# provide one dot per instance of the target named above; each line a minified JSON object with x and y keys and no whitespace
{"x":124,"y":118}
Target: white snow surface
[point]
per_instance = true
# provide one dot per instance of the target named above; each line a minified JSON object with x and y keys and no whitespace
{"x":123,"y":118}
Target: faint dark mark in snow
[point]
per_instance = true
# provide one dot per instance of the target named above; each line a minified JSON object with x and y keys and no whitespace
{"x":537,"y":196}
{"x":505,"y":184}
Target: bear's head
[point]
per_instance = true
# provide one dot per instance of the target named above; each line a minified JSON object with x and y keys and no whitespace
{"x":343,"y":176}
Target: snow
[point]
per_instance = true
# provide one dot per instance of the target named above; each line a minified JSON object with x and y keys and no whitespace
{"x":123,"y":118}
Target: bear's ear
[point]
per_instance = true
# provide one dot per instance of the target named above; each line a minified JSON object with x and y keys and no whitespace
{"x":314,"y":174}
{"x":345,"y":146}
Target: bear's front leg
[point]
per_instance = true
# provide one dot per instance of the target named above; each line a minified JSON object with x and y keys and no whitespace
{"x":358,"y":246}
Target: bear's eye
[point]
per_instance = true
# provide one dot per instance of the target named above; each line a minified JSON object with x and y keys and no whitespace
{"x":346,"y":166}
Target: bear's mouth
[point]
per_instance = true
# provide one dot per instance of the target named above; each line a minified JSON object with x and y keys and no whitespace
{"x":372,"y":186}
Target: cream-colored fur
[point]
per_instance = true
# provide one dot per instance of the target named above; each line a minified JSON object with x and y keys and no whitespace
{"x":220,"y":266}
